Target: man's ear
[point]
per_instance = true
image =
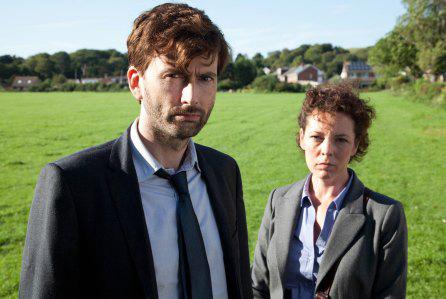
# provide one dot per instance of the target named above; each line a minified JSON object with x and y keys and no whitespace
{"x":133,"y":78}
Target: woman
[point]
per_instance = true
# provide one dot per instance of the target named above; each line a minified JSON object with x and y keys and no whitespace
{"x":328,"y":235}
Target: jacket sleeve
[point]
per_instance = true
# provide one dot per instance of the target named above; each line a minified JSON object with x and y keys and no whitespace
{"x":260,"y":272}
{"x":391,"y":274}
{"x":243,"y":239}
{"x":50,"y":265}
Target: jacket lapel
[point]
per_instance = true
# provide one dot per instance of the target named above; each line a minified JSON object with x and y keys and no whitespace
{"x":287,"y":213}
{"x":348,"y":224}
{"x":125,"y":194}
{"x":218,"y":192}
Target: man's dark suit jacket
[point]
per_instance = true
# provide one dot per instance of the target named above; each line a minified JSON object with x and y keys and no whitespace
{"x":87,"y":236}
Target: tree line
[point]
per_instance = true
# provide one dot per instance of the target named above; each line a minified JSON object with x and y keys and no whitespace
{"x":83,"y":63}
{"x":239,"y":73}
{"x":244,"y":70}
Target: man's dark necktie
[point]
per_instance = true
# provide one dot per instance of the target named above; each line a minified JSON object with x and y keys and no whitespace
{"x":194,"y":273}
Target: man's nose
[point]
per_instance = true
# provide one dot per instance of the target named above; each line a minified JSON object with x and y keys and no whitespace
{"x":188,"y":94}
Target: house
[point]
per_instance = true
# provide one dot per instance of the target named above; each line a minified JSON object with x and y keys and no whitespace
{"x":24,"y":82}
{"x":359,"y":71}
{"x":90,"y":80}
{"x":266,"y":70}
{"x":280,"y":71}
{"x":105,"y":80}
{"x":303,"y":74}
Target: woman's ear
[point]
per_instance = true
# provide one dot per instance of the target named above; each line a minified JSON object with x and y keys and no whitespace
{"x":300,"y":141}
{"x":356,"y":146}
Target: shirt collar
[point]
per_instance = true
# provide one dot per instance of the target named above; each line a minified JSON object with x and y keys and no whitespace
{"x":337,"y":201}
{"x":146,"y":164}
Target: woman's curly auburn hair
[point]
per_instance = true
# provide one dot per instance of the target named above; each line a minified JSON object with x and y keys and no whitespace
{"x":179,"y":33}
{"x":335,"y":98}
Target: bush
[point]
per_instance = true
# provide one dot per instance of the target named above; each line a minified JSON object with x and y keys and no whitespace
{"x":266,"y":83}
{"x":42,"y":86}
{"x":49,"y":85}
{"x":440,"y":100}
{"x":58,"y":80}
{"x":68,"y":86}
{"x":289,"y":87}
{"x":398,"y":83}
{"x":336,"y":79}
{"x":427,"y":92}
{"x":270,"y":83}
{"x":226,"y":84}
{"x":379,"y":84}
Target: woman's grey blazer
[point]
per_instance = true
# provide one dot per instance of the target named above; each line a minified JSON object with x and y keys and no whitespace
{"x":369,"y":239}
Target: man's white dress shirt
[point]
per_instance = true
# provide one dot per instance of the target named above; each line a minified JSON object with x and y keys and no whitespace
{"x":159,"y":203}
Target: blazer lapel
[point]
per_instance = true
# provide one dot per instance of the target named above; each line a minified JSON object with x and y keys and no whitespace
{"x":218,"y":191}
{"x":125,"y":194}
{"x":348,"y":224}
{"x":287,"y":213}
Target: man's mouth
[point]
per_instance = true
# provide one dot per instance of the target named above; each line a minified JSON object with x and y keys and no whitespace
{"x":188,"y":116}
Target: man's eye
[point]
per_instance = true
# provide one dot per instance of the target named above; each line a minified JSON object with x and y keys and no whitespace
{"x":315,"y":137}
{"x":207,"y":78}
{"x":174,"y":75}
{"x":342,"y":140}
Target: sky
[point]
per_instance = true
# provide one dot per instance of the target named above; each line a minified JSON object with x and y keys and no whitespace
{"x":29,"y":27}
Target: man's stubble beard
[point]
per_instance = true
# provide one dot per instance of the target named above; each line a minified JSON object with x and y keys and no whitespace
{"x":166,"y":130}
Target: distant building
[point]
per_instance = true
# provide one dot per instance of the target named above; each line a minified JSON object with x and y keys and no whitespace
{"x":303,"y":74}
{"x":280,"y":71}
{"x":266,"y":70}
{"x":105,"y":80}
{"x":24,"y":82}
{"x":359,"y":71}
{"x":90,"y":80}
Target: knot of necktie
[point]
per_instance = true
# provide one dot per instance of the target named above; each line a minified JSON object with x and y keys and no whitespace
{"x":178,"y":180}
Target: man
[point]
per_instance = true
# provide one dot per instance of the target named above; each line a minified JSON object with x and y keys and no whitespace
{"x":151,"y":214}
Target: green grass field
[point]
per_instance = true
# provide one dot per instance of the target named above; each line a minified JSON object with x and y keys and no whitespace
{"x":406,"y":161}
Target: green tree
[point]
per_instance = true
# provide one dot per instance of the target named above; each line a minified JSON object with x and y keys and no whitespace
{"x":271,"y":58}
{"x":91,"y":63}
{"x":257,"y":59}
{"x":394,"y":53}
{"x":313,"y":54}
{"x":440,"y":64}
{"x":244,"y":70}
{"x":424,"y":26}
{"x":41,"y":65}
{"x":62,"y":63}
{"x":10,"y":66}
{"x":298,"y":60}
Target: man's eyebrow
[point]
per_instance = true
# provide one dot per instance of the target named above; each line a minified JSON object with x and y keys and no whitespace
{"x":210,"y":73}
{"x":171,"y":70}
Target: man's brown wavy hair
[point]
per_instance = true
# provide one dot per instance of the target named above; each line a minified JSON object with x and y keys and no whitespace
{"x":334,"y":98}
{"x":177,"y":32}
